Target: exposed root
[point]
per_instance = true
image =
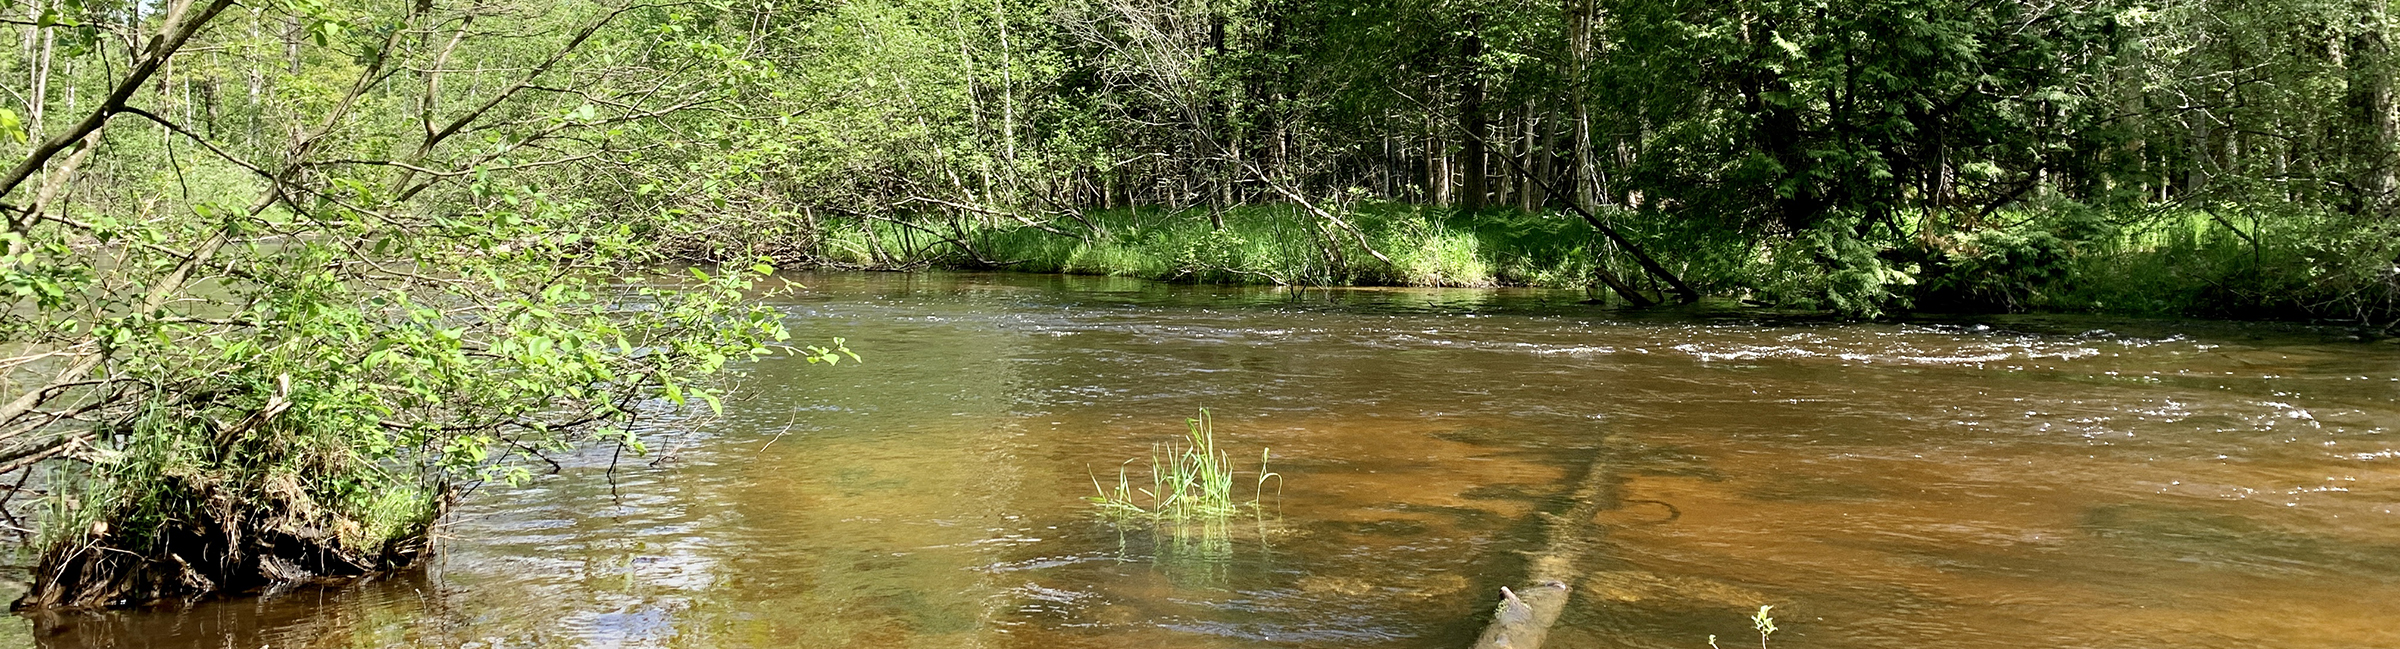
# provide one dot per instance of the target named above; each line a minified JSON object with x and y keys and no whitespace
{"x":212,"y":548}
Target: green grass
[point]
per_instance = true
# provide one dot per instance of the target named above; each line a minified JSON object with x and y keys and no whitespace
{"x":2233,"y":262}
{"x":1260,"y":244}
{"x":1190,"y":480}
{"x":2238,"y":262}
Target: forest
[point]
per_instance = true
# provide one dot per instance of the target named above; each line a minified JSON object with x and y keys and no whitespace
{"x":287,"y":274}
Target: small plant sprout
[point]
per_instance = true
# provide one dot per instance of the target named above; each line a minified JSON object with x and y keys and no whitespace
{"x":1765,"y":625}
{"x":1258,"y":492}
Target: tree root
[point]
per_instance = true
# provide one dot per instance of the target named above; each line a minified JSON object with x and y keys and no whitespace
{"x":208,"y":550}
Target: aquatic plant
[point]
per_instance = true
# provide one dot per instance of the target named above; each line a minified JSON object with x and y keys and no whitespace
{"x":1758,"y":622}
{"x":1763,"y":624}
{"x":1190,"y":479}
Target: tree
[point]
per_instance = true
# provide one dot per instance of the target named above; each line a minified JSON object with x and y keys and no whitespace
{"x":286,"y":367}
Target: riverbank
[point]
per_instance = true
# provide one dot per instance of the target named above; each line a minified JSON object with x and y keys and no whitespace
{"x":2188,"y":263}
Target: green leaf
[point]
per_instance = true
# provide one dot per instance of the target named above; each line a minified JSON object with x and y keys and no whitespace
{"x":11,"y":127}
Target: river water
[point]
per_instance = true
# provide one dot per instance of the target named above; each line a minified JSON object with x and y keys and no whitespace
{"x":2000,"y":482}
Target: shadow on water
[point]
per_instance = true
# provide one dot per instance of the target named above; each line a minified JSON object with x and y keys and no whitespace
{"x":1985,"y":482}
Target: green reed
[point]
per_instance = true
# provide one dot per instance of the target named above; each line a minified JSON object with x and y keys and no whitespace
{"x":1765,"y":626}
{"x":1190,"y":479}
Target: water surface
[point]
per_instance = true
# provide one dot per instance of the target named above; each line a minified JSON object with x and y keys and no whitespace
{"x":2008,"y":482}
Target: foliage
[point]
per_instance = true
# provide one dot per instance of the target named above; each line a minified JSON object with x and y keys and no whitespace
{"x":1830,"y":267}
{"x":1803,"y":153}
{"x":1191,"y":481}
{"x":1760,"y":622}
{"x":1763,"y":624}
{"x":266,"y":339}
{"x":2014,"y":269}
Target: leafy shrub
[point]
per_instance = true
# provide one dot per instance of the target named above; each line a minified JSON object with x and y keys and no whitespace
{"x":1997,"y":269}
{"x":1829,"y":267}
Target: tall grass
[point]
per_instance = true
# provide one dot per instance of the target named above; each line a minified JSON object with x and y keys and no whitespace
{"x":1259,"y":244}
{"x":2240,"y":262}
{"x":1190,"y":480}
{"x":2246,"y":262}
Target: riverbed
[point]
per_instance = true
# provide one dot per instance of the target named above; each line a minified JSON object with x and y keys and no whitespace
{"x":1971,"y":482}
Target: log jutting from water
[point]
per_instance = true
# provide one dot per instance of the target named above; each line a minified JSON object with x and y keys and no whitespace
{"x":1525,"y":614}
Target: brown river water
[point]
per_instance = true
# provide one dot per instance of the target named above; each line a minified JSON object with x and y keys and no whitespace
{"x":1995,"y":482}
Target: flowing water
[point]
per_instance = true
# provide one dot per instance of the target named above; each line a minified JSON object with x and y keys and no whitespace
{"x":2009,"y":482}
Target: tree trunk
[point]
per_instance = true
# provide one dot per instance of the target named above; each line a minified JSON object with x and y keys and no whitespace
{"x":1221,"y":112}
{"x":1579,"y":51}
{"x":1534,"y":155}
{"x":1473,"y":188}
{"x":2371,"y":66}
{"x":40,"y":44}
{"x":1008,"y":111}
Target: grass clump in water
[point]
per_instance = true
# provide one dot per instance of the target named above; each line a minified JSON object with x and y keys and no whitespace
{"x":1190,"y":479}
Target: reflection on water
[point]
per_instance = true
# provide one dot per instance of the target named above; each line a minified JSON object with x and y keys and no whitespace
{"x":2017,"y":482}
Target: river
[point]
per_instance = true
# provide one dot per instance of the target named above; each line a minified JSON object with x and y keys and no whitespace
{"x":1993,"y":482}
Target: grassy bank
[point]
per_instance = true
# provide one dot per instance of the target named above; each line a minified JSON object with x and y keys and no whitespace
{"x":1269,"y":244}
{"x":2057,"y":258}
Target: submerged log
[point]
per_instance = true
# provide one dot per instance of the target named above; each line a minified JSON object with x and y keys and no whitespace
{"x":1524,"y":622}
{"x":1525,"y":614}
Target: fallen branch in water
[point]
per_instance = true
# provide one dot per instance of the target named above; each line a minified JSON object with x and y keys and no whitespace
{"x":1525,"y":615}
